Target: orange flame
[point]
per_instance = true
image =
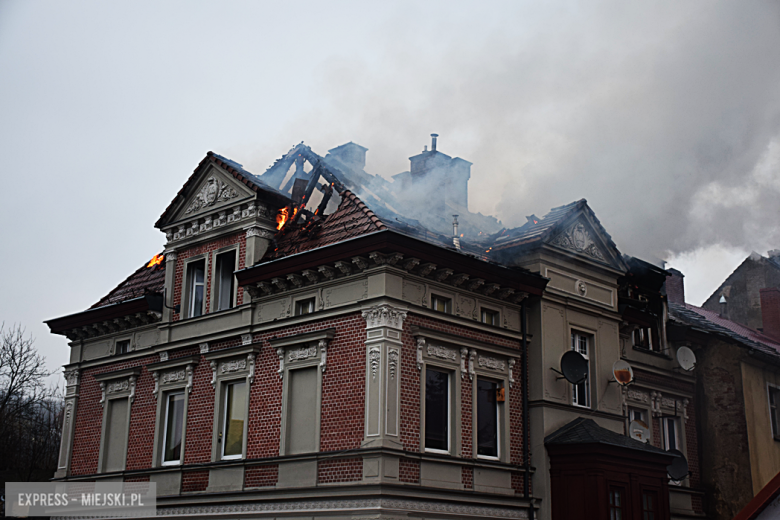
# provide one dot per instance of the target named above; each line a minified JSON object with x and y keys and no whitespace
{"x":156,"y":260}
{"x":281,"y":218}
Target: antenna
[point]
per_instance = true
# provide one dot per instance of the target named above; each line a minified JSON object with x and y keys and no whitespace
{"x":678,"y":469}
{"x":686,"y":358}
{"x":574,"y":367}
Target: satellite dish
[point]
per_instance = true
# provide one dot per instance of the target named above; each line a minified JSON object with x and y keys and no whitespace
{"x":622,"y":372}
{"x":638,"y":430}
{"x":686,"y":358}
{"x":678,"y":469}
{"x":574,"y":367}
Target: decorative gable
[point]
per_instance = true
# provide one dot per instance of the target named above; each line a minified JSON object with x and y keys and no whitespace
{"x":578,"y":238}
{"x":582,"y":237}
{"x":213,"y":190}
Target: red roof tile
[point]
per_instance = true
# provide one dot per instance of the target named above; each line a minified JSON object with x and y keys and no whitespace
{"x":352,"y":218}
{"x":144,"y":281}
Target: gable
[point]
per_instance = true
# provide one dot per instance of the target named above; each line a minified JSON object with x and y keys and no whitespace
{"x":212,"y":189}
{"x":587,"y":239}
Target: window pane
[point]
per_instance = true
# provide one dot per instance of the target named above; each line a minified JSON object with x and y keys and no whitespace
{"x":116,"y":437}
{"x":437,"y":396}
{"x":174,"y":425}
{"x":226,"y":263}
{"x":487,"y":419}
{"x":235,"y":415}
{"x":671,"y":435}
{"x":304,"y":307}
{"x":648,"y":505}
{"x":302,"y":411}
{"x":195,"y":273}
{"x":441,"y":304}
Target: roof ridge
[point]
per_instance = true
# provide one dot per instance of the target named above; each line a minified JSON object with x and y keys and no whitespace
{"x":364,"y":208}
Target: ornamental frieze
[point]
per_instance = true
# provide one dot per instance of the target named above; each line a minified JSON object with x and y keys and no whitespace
{"x":491,"y":363}
{"x":212,"y":192}
{"x":442,"y":352}
{"x":578,"y":239}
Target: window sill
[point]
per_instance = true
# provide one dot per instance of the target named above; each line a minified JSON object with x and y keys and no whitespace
{"x":440,"y":452}
{"x":488,"y":457}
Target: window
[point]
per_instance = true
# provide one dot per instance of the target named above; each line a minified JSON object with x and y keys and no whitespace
{"x":581,"y":392}
{"x":301,"y":429}
{"x":649,"y":505}
{"x":671,"y":433}
{"x":115,"y":442}
{"x":441,"y":304}
{"x":304,"y":306}
{"x":490,"y":317}
{"x":639,"y":415}
{"x":226,"y":264}
{"x":774,"y":400}
{"x":232,"y":434}
{"x":487,"y":419}
{"x":643,"y":338}
{"x":616,"y":503}
{"x":437,"y":410}
{"x":122,"y":347}
{"x":195,"y":287}
{"x":174,"y":428}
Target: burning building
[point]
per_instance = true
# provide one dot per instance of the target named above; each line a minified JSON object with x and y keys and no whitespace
{"x":319,"y":341}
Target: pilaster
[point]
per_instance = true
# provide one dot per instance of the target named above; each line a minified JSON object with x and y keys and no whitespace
{"x":71,"y":402}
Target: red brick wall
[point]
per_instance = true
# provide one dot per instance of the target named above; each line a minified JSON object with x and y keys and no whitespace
{"x":261,"y":476}
{"x":194,"y":481}
{"x":207,"y":248}
{"x":339,"y":470}
{"x":467,"y":477}
{"x":409,"y":471}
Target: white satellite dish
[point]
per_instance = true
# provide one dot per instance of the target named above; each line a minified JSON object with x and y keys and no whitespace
{"x":638,"y":430}
{"x":686,"y":358}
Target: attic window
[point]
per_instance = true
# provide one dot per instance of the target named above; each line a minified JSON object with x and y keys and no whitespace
{"x":441,"y":304}
{"x":226,"y":264}
{"x":195,"y":288}
{"x":122,"y":347}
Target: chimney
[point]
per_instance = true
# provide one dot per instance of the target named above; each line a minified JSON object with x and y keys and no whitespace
{"x":455,"y":237}
{"x":675,"y":287}
{"x":433,"y":141}
{"x":770,"y":312}
{"x":724,"y":307}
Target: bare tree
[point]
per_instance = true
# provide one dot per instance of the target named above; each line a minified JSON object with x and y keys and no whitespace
{"x":29,"y":411}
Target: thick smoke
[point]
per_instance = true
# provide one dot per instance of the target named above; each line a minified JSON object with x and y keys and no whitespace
{"x":666,"y":117}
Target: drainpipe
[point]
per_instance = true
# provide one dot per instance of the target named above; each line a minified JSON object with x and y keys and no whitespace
{"x":526,"y":437}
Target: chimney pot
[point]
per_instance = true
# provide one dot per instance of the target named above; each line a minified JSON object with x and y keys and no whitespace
{"x":433,"y":142}
{"x":770,"y":312}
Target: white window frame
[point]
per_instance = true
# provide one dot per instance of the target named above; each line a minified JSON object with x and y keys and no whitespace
{"x":774,"y":410}
{"x":189,"y":282}
{"x":665,"y":421}
{"x":224,"y":411}
{"x":216,"y":282}
{"x":129,"y":340}
{"x":449,"y":373}
{"x":578,"y":334}
{"x":167,"y":396}
{"x":447,"y":306}
{"x":495,"y":312}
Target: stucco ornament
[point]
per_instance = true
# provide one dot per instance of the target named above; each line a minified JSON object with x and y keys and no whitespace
{"x":442,"y":352}
{"x":212,"y":192}
{"x":491,"y":363}
{"x":384,"y":316}
{"x":373,"y":356}
{"x":578,"y":239}
{"x":392,"y":359}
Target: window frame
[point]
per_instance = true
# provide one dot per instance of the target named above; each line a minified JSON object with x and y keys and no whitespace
{"x":493,"y":311}
{"x":590,"y":347}
{"x":450,"y":415}
{"x":447,"y":302}
{"x":166,"y":396}
{"x":438,"y":355}
{"x":298,"y":306}
{"x":284,"y":347}
{"x":308,"y":295}
{"x":187,"y":293}
{"x":108,"y":395}
{"x":230,"y":365}
{"x":774,"y":413}
{"x":120,"y":339}
{"x":499,"y":422}
{"x":164,"y":386}
{"x":225,"y":384}
{"x":216,"y":282}
{"x":665,"y":421}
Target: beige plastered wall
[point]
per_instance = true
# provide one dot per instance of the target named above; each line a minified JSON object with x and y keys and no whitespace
{"x":764,"y":449}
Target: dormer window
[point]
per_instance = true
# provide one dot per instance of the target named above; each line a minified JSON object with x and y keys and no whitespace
{"x":195,"y":288}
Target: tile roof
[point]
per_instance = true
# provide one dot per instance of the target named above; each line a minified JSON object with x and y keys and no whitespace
{"x":712,"y":322}
{"x":144,"y":281}
{"x":352,"y":218}
{"x":586,"y":431}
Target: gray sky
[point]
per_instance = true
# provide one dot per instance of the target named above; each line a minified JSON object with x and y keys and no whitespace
{"x":664,"y":115}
